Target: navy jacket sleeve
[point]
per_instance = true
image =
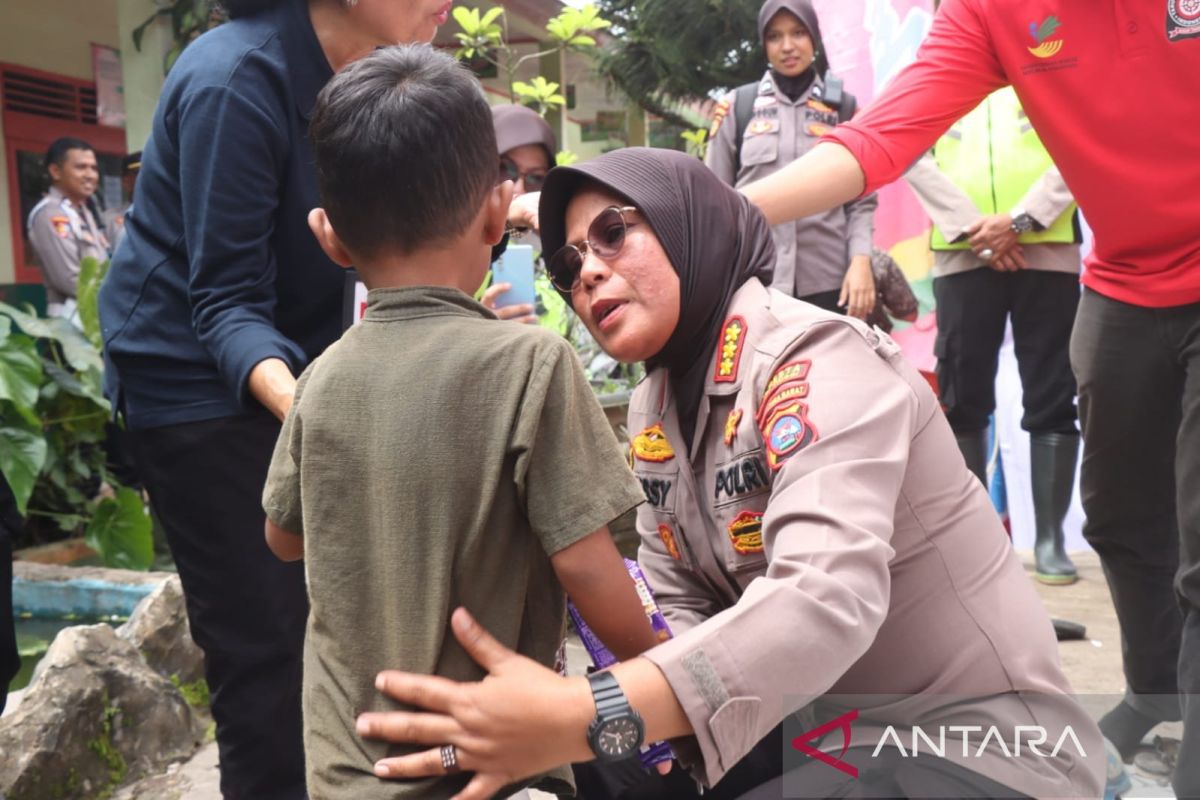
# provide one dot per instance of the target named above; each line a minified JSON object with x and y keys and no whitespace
{"x":230,"y":155}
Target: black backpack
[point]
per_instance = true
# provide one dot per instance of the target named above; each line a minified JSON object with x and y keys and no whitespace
{"x":743,"y":107}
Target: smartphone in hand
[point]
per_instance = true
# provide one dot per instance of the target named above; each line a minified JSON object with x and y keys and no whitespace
{"x":515,"y":267}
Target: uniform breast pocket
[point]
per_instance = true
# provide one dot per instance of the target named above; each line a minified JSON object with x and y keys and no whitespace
{"x":741,"y":488}
{"x":762,"y":147}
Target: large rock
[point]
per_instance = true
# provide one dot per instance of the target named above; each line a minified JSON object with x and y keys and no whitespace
{"x":158,"y":628}
{"x":94,"y":716}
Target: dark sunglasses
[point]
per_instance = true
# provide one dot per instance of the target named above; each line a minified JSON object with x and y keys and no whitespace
{"x":534,"y":179}
{"x":605,"y":238}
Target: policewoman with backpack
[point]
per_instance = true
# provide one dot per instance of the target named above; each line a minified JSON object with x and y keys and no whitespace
{"x":762,"y":127}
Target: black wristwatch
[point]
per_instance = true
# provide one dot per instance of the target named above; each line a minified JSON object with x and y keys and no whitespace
{"x":1022,"y":222}
{"x":617,"y":731}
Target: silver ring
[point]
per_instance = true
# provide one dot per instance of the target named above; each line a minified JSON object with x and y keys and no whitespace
{"x":449,"y":755}
{"x":987,"y":253}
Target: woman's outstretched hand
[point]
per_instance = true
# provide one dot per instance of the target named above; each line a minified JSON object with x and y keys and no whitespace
{"x":519,"y":721}
{"x":523,"y":212}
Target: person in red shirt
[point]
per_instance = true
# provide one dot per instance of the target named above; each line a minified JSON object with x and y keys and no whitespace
{"x":1082,"y":68}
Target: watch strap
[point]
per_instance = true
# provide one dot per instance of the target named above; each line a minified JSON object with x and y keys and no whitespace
{"x":607,"y":694}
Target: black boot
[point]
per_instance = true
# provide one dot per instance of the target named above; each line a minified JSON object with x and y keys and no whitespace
{"x":973,"y":445}
{"x":1052,"y":471}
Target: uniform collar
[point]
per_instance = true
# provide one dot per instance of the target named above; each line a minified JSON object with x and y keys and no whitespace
{"x":410,"y":302}
{"x":308,"y":68}
{"x":745,"y":320}
{"x":767,"y":87}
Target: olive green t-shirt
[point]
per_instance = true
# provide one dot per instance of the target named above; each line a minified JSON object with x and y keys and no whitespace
{"x":433,"y":457}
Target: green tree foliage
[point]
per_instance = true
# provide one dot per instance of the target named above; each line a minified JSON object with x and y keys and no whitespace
{"x":682,"y":50}
{"x":52,"y":433}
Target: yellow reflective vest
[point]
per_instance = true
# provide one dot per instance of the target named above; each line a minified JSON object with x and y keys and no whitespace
{"x":994,"y":155}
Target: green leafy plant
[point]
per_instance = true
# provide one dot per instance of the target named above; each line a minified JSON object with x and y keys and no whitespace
{"x":53,"y":417}
{"x":540,"y":94}
{"x":697,"y":142}
{"x":565,"y":158}
{"x":189,"y":19}
{"x":485,"y":36}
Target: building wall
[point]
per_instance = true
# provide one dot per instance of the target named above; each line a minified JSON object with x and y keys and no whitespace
{"x":53,"y":36}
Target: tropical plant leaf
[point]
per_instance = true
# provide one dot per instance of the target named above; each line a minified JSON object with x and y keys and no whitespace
{"x":121,"y":531}
{"x":76,"y":348}
{"x":91,"y":274}
{"x":22,"y":454}
{"x":20,"y":370}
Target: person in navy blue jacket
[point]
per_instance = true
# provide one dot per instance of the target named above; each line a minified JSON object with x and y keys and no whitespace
{"x":217,"y":297}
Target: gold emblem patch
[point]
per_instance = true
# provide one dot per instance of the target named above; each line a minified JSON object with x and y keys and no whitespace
{"x":730,"y":355}
{"x":745,"y":531}
{"x":668,"y":539}
{"x":652,"y":445}
{"x":719,"y":114}
{"x":731,"y":424}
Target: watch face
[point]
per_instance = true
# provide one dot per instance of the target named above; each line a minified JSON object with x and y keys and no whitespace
{"x":619,"y":737}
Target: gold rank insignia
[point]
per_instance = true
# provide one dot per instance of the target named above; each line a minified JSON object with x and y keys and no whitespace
{"x":817,"y":129}
{"x":668,"y":539}
{"x":745,"y":531}
{"x":817,"y":105}
{"x":729,"y":350}
{"x":731,"y":425}
{"x":652,"y":445}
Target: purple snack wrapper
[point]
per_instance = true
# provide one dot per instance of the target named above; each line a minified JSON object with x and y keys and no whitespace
{"x":655,"y":752}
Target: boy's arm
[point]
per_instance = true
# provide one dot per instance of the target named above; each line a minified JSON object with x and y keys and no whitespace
{"x":286,"y":546}
{"x":594,"y":577}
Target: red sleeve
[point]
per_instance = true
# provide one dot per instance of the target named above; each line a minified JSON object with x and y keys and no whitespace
{"x":955,"y":69}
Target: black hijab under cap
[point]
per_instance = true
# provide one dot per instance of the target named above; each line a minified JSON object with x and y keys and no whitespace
{"x":714,"y":237}
{"x":793,"y":87}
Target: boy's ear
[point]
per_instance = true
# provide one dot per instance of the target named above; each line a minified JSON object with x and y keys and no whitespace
{"x":495,"y":212}
{"x":318,"y":222}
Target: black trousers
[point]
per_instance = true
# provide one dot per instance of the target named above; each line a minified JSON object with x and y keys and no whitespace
{"x":10,"y":524}
{"x":1139,"y":403}
{"x":972,"y":308}
{"x":247,"y":609}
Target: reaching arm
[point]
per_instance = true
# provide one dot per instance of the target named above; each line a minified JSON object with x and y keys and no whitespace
{"x":592,"y":573}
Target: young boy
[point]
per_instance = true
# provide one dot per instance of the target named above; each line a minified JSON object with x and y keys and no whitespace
{"x":433,"y":457}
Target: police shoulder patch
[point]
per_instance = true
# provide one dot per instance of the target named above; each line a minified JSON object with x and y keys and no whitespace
{"x":719,"y":113}
{"x":652,"y":445}
{"x":668,"y":539}
{"x":787,"y":431}
{"x":62,"y":226}
{"x":745,"y":531}
{"x":729,"y":350}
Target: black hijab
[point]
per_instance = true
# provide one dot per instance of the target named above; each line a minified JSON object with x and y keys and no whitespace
{"x":714,"y":237}
{"x":795,"y":86}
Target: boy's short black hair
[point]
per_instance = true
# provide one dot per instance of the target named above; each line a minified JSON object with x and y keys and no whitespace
{"x":57,"y":153}
{"x":405,"y":150}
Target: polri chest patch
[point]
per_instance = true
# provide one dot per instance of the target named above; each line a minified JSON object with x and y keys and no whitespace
{"x":739,"y":478}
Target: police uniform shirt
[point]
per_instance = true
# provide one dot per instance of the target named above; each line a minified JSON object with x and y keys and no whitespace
{"x":813,"y":252}
{"x":824,"y":536}
{"x":62,"y":235}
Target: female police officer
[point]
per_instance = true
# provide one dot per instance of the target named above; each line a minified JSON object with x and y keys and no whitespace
{"x":811,"y":530}
{"x":760,"y":128}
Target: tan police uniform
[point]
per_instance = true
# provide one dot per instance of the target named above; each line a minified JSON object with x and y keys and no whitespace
{"x":823,"y":536}
{"x":62,"y":236}
{"x":813,"y":252}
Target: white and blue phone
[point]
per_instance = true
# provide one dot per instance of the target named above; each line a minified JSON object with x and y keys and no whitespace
{"x":515,"y":267}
